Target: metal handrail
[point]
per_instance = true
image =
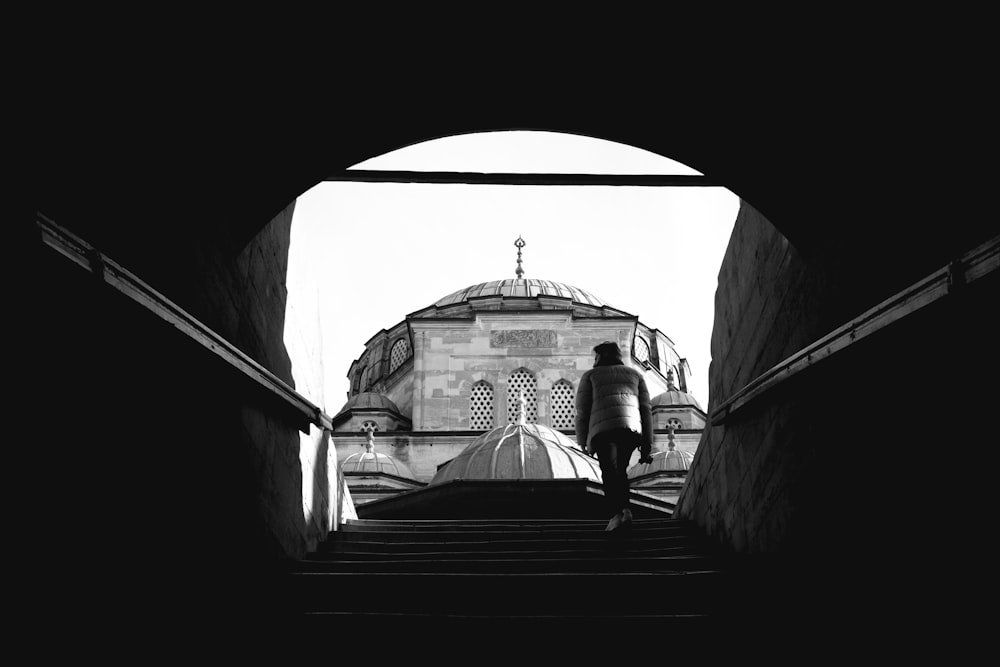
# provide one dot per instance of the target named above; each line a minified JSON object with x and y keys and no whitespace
{"x":972,"y":266}
{"x":116,"y":276}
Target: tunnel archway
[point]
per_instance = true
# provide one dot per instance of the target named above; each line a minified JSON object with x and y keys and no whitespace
{"x":193,"y":229}
{"x":845,"y":282}
{"x":439,"y":251}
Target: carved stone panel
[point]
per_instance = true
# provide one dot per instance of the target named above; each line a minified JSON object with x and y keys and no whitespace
{"x":523,"y":338}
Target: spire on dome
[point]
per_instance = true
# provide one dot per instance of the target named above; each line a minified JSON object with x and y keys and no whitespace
{"x":369,"y":428}
{"x":519,"y":243}
{"x":670,"y":380}
{"x":520,"y":411}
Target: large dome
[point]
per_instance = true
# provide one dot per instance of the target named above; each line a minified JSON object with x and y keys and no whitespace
{"x":524,"y":287}
{"x":520,"y":451}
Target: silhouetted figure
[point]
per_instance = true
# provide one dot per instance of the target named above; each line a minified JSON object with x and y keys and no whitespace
{"x":613,"y":417}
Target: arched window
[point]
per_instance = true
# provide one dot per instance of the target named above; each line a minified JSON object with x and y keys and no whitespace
{"x":674,"y":423}
{"x":359,"y":379}
{"x":481,"y":405}
{"x":400,"y":351}
{"x":368,"y":426}
{"x":523,"y":380}
{"x":363,"y":385}
{"x":640,"y":348}
{"x":563,"y":405}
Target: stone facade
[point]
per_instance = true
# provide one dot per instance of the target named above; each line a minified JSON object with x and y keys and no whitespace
{"x":466,"y":356}
{"x":449,"y":356}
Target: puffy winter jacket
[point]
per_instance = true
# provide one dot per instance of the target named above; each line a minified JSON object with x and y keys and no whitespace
{"x":613,"y":397}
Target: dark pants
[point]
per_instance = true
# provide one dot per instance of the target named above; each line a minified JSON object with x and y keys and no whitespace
{"x":614,"y":449}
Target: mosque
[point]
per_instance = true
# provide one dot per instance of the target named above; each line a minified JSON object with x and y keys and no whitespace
{"x":466,"y":408}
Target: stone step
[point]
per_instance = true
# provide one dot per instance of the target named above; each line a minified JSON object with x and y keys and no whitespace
{"x":500,"y":524}
{"x":442,"y":622}
{"x":434,"y":552}
{"x":481,"y":543}
{"x":428,"y":535}
{"x":509,"y":594}
{"x":680,"y":563}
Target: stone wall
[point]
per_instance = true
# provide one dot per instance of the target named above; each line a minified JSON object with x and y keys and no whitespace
{"x":451,"y":356}
{"x":174,"y":477}
{"x":822,"y":480}
{"x":401,"y":390}
{"x":242,"y":292}
{"x":244,"y":297}
{"x":765,"y":311}
{"x":324,"y":496}
{"x":161,"y":433}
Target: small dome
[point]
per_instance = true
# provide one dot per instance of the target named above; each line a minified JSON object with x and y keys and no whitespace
{"x":369,"y":400}
{"x":520,"y":451}
{"x":526,"y":287}
{"x":670,"y":460}
{"x":675,"y":398}
{"x":371,"y":461}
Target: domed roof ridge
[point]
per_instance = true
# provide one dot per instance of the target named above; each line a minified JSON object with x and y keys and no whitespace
{"x":521,"y":287}
{"x":375,"y":462}
{"x":369,"y":400}
{"x":520,"y":451}
{"x":673,"y":395}
{"x":670,"y":460}
{"x":370,"y":461}
{"x":673,"y":460}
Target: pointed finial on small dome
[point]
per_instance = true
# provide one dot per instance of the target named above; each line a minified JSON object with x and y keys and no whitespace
{"x":519,"y":243}
{"x":670,"y":437}
{"x":369,"y":429}
{"x":520,"y":412}
{"x":670,"y":380}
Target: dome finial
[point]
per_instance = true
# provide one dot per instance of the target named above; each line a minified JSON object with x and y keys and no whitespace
{"x":519,"y":243}
{"x":520,"y":416}
{"x":670,"y":437}
{"x":670,"y":380}
{"x":369,"y":429}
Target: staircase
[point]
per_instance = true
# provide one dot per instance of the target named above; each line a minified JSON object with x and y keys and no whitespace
{"x":463,"y":573}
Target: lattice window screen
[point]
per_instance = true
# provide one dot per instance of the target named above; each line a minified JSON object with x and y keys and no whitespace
{"x":641,"y":348}
{"x":481,"y":404}
{"x":563,"y":405}
{"x":525,"y":381}
{"x":400,"y":351}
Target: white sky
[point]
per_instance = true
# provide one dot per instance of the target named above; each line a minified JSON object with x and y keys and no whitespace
{"x":378,"y":251}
